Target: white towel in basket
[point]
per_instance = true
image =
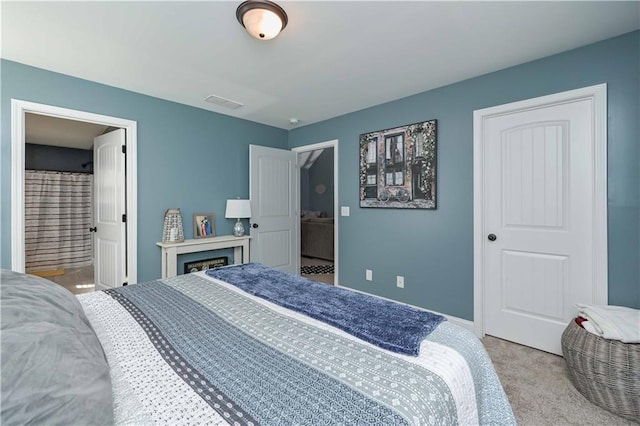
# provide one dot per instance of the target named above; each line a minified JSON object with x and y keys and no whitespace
{"x":612,"y":322}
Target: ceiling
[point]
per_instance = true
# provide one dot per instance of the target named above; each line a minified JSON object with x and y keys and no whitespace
{"x":46,"y":130}
{"x":334,"y":57}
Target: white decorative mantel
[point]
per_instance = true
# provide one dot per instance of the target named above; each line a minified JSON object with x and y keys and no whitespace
{"x":170,"y":251}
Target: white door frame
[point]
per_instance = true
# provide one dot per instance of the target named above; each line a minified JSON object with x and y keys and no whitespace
{"x":598,"y":96}
{"x":18,"y":110}
{"x":324,"y":145}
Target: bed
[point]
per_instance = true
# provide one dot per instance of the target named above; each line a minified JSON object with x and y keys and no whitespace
{"x":237,"y":345}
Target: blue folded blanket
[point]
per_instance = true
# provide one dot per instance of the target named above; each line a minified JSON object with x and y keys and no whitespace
{"x":389,"y":325}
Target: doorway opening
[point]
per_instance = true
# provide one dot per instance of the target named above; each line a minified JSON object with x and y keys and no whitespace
{"x":79,"y":272}
{"x":59,"y":200}
{"x":318,"y":183}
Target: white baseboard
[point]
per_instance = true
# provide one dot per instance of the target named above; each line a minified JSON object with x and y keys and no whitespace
{"x":461,"y":322}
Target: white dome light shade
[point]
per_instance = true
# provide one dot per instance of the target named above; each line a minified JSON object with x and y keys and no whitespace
{"x":262,"y":24}
{"x":263,"y":19}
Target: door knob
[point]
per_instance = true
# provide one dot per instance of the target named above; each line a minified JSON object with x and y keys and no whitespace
{"x":254,"y":225}
{"x":492,"y":237}
{"x":94,"y":229}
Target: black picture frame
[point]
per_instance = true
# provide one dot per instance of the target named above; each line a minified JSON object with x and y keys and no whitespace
{"x":398,"y":167}
{"x":203,"y":265}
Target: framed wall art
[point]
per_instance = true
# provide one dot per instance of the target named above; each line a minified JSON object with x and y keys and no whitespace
{"x":398,"y":167}
{"x":204,"y":225}
{"x":203,"y":265}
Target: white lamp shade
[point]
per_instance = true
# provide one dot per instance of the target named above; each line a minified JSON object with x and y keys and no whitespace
{"x":237,"y":209}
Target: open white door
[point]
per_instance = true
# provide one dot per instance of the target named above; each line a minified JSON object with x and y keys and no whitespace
{"x":273,"y":190}
{"x":109,"y":208}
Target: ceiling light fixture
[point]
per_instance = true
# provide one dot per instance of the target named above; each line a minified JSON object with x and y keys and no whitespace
{"x":263,"y":19}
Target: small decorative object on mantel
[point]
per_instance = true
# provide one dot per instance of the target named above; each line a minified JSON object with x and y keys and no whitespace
{"x":398,"y":167}
{"x":172,"y":231}
{"x":204,"y":225}
{"x":238,"y":209}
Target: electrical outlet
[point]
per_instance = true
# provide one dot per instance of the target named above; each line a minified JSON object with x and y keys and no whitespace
{"x":369,"y":275}
{"x":400,"y":281}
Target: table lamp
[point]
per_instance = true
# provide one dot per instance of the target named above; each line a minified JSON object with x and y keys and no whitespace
{"x":238,"y":209}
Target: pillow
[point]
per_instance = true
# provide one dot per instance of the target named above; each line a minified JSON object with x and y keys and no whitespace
{"x":54,"y":370}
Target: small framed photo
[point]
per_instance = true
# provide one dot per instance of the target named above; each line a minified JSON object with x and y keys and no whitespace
{"x":204,"y":225}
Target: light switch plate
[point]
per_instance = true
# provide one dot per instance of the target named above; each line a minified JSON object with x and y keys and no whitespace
{"x":344,"y":211}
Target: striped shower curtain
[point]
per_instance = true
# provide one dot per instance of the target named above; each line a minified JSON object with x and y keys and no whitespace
{"x":58,"y":215}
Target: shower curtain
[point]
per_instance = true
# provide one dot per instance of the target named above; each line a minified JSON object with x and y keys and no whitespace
{"x":58,"y":215}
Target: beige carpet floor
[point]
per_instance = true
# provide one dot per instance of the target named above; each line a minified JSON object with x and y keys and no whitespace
{"x":538,"y":387}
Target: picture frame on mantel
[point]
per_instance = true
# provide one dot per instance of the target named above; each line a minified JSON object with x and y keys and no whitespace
{"x":204,"y":225}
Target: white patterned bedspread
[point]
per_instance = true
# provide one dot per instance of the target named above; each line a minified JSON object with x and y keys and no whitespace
{"x":195,"y":350}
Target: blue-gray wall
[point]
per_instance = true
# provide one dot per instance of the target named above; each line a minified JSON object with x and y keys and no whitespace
{"x":321,"y":172}
{"x":187,"y":157}
{"x":195,"y":159}
{"x":57,"y":158}
{"x":434,"y":249}
{"x":304,"y":190}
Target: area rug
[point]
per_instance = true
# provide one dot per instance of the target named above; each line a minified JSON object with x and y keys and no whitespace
{"x":316,"y":269}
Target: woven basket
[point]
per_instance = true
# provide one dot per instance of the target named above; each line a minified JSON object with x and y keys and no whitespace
{"x":606,"y":372}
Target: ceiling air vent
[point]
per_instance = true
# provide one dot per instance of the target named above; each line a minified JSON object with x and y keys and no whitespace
{"x":227,"y":103}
